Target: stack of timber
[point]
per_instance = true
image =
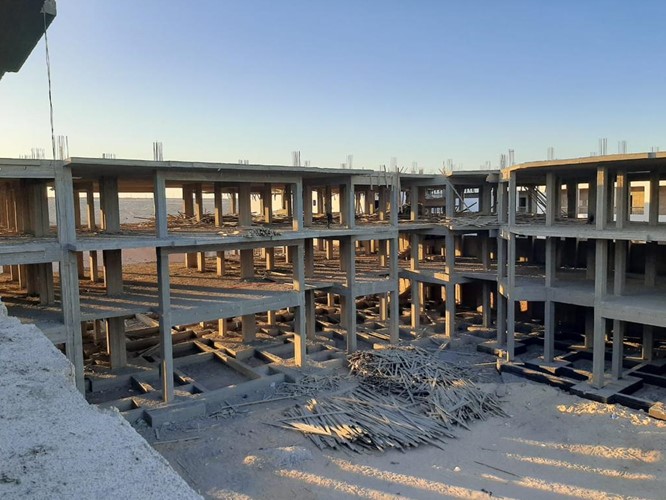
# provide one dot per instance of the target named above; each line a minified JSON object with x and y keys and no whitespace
{"x":406,"y":397}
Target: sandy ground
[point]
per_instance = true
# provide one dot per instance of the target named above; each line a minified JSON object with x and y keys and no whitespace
{"x":553,"y":445}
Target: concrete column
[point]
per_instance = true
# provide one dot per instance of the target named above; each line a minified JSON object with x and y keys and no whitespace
{"x":300,"y":312}
{"x":383,"y":307}
{"x":450,"y":310}
{"x":220,"y":263}
{"x":247,"y":264}
{"x":69,"y":282}
{"x":382,"y":251}
{"x":603,"y":188}
{"x":501,"y":258}
{"x":485,"y":251}
{"x":222,"y":327}
{"x":393,"y":296}
{"x":620,"y":267}
{"x":188,"y":210}
{"x":298,"y":217}
{"x":201,"y":262}
{"x":552,"y":199}
{"x":511,"y":262}
{"x":198,"y":202}
{"x":651,"y":249}
{"x":77,"y":210}
{"x":393,"y":195}
{"x":449,"y":200}
{"x":219,"y":207}
{"x":653,"y":210}
{"x":551,"y":261}
{"x":115,"y":342}
{"x":510,"y":329}
{"x":249,"y":327}
{"x":549,"y":331}
{"x":618,"y":349}
{"x":601,"y":290}
{"x":648,"y":342}
{"x":90,"y":208}
{"x":165,"y":324}
{"x":501,"y":319}
{"x":159,"y":199}
{"x":622,"y":203}
{"x":307,"y":206}
{"x":270,"y":258}
{"x":589,"y":329}
{"x":512,"y":197}
{"x":415,"y":241}
{"x":94,"y":269}
{"x":309,"y":258}
{"x":592,"y":198}
{"x":383,"y":203}
{"x":572,"y":194}
{"x":310,"y":315}
{"x":244,"y":205}
{"x":485,"y":192}
{"x":109,"y":204}
{"x":414,"y":203}
{"x":415,"y":305}
{"x":590,"y":262}
{"x":450,"y":256}
{"x":485,"y":305}
{"x":415,"y":288}
{"x":113,"y":272}
{"x":502,"y":213}
{"x":287,"y":200}
{"x":348,"y":300}
{"x":328,"y":200}
{"x":347,"y":208}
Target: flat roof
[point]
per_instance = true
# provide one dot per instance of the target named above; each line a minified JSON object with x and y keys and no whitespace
{"x":633,"y":162}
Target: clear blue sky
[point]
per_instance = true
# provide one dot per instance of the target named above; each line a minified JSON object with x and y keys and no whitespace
{"x":418,"y":80}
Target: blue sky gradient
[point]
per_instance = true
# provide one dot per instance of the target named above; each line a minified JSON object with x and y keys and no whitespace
{"x":422,"y":81}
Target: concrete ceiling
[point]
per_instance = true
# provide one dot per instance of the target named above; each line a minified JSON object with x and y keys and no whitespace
{"x":21,"y":28}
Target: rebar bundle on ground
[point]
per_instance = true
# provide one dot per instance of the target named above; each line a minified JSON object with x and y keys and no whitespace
{"x":406,"y":397}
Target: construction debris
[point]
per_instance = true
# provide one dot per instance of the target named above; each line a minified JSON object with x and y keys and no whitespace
{"x":406,"y":397}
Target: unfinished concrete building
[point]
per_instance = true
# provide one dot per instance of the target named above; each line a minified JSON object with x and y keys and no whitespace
{"x":254,"y":269}
{"x":581,"y":249}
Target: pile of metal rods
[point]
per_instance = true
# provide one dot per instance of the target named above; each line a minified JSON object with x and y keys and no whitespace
{"x":308,"y":385}
{"x":406,"y":397}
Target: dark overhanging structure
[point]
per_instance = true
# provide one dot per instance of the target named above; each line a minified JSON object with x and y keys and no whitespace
{"x":22,"y":25}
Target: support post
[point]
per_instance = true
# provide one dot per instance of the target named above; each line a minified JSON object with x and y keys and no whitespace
{"x":601,"y":290}
{"x":618,"y":349}
{"x":510,"y":329}
{"x":113,"y":272}
{"x":485,"y":305}
{"x":393,"y":296}
{"x":549,"y":331}
{"x":300,"y":326}
{"x":115,"y":342}
{"x":219,"y":207}
{"x":69,"y":282}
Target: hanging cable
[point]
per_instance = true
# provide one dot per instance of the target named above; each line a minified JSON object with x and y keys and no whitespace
{"x":48,"y":73}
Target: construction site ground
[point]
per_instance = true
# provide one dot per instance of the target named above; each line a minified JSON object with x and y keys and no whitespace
{"x":552,"y":445}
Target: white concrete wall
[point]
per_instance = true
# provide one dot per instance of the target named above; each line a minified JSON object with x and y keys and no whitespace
{"x":53,"y":444}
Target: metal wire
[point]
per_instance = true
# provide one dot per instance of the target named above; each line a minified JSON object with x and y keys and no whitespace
{"x":48,"y":73}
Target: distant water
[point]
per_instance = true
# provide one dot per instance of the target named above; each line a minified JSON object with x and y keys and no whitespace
{"x":134,"y":210}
